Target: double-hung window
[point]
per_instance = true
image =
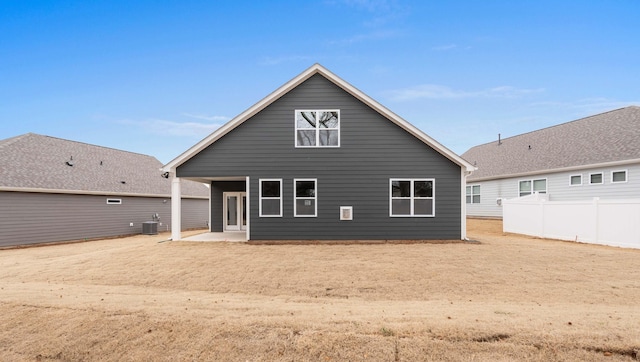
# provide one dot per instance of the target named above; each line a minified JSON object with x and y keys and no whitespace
{"x":528,"y":187}
{"x":305,"y":198}
{"x":473,"y":194}
{"x":317,"y":128}
{"x":270,"y":197}
{"x":411,"y":197}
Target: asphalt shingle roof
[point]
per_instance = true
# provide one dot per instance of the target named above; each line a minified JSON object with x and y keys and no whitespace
{"x":606,"y":137}
{"x":35,"y":161}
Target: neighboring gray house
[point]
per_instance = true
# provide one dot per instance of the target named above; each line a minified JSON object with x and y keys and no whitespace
{"x":597,"y":156}
{"x":53,"y":190}
{"x":318,"y":159}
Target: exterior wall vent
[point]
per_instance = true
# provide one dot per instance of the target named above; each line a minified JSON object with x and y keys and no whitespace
{"x":346,"y":212}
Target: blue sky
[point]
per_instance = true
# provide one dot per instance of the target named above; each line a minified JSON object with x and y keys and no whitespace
{"x":156,"y":77}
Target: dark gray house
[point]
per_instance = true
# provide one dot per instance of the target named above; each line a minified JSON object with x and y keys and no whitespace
{"x":54,"y":190}
{"x":317,"y":159}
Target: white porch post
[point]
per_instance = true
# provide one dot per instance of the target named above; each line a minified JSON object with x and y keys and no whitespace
{"x":176,"y":208}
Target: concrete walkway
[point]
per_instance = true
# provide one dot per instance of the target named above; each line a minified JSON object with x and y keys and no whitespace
{"x":230,"y":236}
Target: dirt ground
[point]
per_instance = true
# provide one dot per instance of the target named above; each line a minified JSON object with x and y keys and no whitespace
{"x":499,"y":298}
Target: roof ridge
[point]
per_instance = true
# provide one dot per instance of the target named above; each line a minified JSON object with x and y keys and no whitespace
{"x":88,"y":144}
{"x":557,"y":125}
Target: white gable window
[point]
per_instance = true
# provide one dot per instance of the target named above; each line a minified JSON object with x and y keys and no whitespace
{"x":528,"y":187}
{"x":411,"y":197}
{"x":270,"y":197}
{"x":618,"y":176}
{"x":473,"y":194}
{"x":317,"y":128}
{"x":305,"y":198}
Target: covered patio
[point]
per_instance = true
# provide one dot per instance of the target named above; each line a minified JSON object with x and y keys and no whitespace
{"x":228,"y":236}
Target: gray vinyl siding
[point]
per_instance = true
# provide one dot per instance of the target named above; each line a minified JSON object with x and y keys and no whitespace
{"x":372,"y":150}
{"x":32,"y":218}
{"x":559,"y":188}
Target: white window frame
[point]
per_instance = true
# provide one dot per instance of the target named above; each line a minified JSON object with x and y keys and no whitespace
{"x":269,"y":198}
{"x":314,"y":198}
{"x":626,"y":176}
{"x":317,"y":129}
{"x":531,"y":190}
{"x":412,"y":197}
{"x":471,"y":194}
{"x":596,"y":183}
{"x":114,"y":201}
{"x":571,"y":179}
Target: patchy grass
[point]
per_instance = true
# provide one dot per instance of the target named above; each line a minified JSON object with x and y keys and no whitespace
{"x":505,"y":298}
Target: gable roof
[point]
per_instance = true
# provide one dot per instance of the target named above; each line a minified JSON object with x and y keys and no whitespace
{"x":36,"y":163}
{"x":610,"y":137}
{"x":275,"y":95}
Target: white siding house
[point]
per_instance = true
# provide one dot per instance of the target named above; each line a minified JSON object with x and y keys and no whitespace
{"x":597,"y":156}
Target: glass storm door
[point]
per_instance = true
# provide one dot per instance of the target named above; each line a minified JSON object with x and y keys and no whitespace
{"x":235,"y":215}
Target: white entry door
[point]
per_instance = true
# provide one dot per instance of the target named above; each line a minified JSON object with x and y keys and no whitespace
{"x":235,"y":215}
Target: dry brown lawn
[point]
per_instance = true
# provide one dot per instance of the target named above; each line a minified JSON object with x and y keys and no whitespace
{"x":502,"y":298}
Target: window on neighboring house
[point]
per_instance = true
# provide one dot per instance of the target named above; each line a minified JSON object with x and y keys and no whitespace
{"x":473,"y":194}
{"x":114,"y":201}
{"x":412,"y":197}
{"x":618,"y":176}
{"x":528,"y":187}
{"x":305,"y":198}
{"x":316,"y":128}
{"x":270,"y":197}
{"x":576,"y":180}
{"x":596,"y":178}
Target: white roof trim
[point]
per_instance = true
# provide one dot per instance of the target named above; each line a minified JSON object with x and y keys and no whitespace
{"x":275,"y":95}
{"x":557,"y":170}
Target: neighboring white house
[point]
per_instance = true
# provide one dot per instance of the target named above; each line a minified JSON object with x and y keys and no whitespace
{"x":597,"y":156}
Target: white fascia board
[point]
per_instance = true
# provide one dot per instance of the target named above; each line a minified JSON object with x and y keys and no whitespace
{"x":238,"y":120}
{"x":556,"y":170}
{"x":316,"y":68}
{"x":397,"y":119}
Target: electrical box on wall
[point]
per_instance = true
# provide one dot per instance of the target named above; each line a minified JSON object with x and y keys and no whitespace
{"x":346,"y":212}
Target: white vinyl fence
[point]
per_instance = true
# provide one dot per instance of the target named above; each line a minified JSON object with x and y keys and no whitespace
{"x":606,"y":222}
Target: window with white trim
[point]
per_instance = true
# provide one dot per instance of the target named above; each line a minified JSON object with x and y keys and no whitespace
{"x":596,"y":178}
{"x":317,"y":128}
{"x":619,"y":176}
{"x":114,"y":201}
{"x":473,"y":194}
{"x":305,"y":197}
{"x":270,"y":191}
{"x":575,"y":180}
{"x":528,"y":187}
{"x":411,"y":197}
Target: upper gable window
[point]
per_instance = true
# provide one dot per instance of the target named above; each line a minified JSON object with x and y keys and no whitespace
{"x":317,"y":128}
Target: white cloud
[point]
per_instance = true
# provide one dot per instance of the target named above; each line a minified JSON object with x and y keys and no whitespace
{"x":172,"y":128}
{"x":444,"y":47}
{"x":358,"y":38}
{"x":435,"y":91}
{"x":207,"y":118}
{"x":284,"y":59}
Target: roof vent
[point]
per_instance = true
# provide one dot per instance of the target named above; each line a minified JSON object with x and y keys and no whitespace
{"x":70,"y":162}
{"x":499,"y":140}
{"x":123,"y":182}
{"x":529,"y":146}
